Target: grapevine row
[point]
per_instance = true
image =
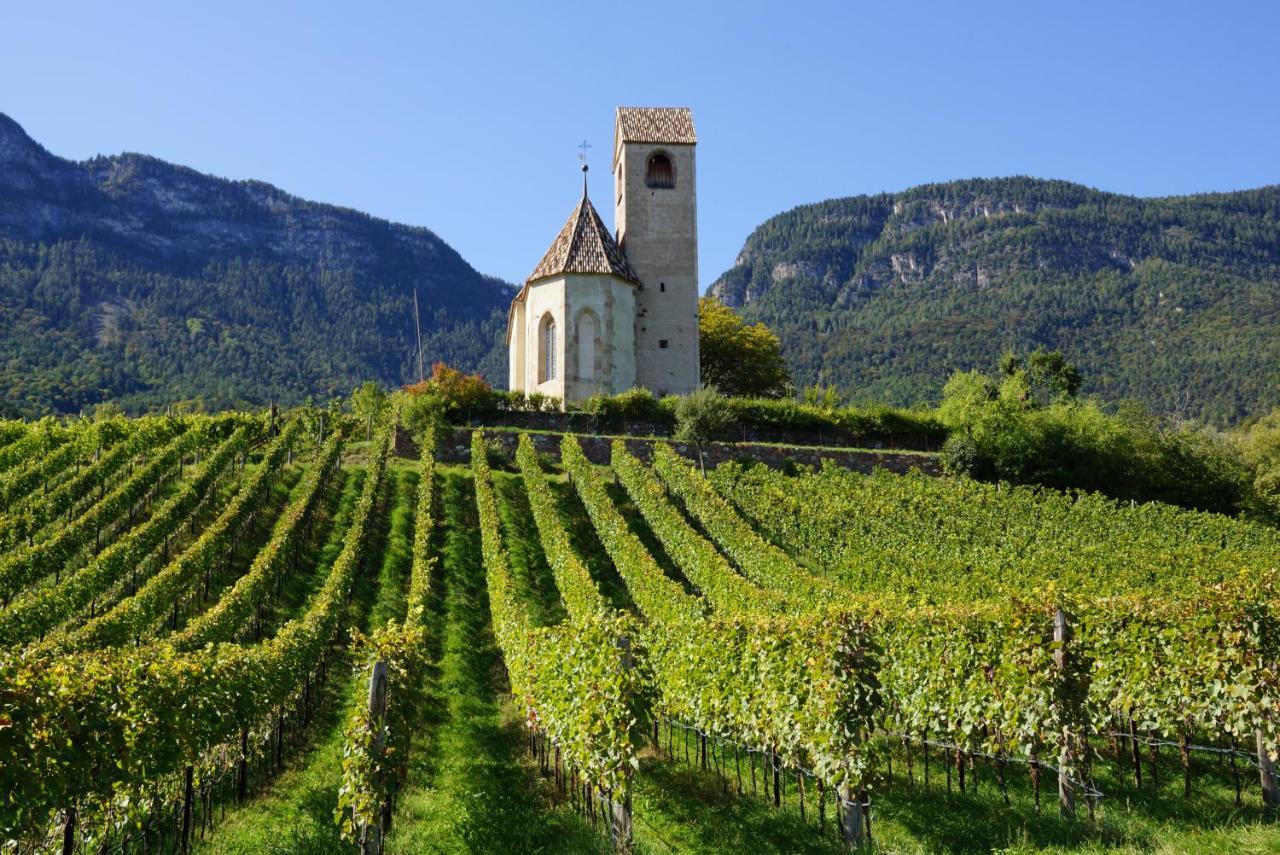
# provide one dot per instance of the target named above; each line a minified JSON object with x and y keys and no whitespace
{"x":17,"y":485}
{"x":38,"y":440}
{"x":28,"y":519}
{"x":801,"y":687}
{"x":577,"y":588}
{"x":169,"y":708}
{"x":960,"y":540}
{"x":376,"y":741}
{"x":226,"y":617}
{"x":42,"y":608}
{"x":27,"y":565}
{"x":761,"y":561}
{"x":138,"y":615}
{"x":579,"y":681}
{"x":12,"y":430}
{"x":984,"y":676}
{"x":697,"y":558}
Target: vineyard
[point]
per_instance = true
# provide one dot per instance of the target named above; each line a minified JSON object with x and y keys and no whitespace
{"x":286,"y":633}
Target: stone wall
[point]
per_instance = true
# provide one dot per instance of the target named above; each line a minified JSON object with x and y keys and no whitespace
{"x":457,"y":449}
{"x":577,"y":422}
{"x":657,"y":228}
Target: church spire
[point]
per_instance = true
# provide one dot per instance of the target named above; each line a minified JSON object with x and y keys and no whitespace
{"x":582,"y":158}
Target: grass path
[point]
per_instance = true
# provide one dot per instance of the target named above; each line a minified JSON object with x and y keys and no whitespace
{"x":473,"y":794}
{"x":295,"y":814}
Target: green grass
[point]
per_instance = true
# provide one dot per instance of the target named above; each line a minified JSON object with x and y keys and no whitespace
{"x":296,"y":811}
{"x":473,"y":793}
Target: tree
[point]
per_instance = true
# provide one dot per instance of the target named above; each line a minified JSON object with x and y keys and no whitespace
{"x":739,"y":359}
{"x":1260,"y":445}
{"x":701,"y":416}
{"x":1047,"y":373}
{"x":420,"y":413}
{"x":368,"y":403}
{"x":463,"y":394}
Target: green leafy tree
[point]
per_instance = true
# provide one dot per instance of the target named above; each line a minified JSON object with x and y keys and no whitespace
{"x":1047,"y":374}
{"x":1260,"y":445}
{"x":741,"y":360}
{"x":1000,"y":431}
{"x":369,"y":405}
{"x":701,"y":416}
{"x":421,"y":411}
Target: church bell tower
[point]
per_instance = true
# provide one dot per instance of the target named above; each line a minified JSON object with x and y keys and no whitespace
{"x":657,"y":228}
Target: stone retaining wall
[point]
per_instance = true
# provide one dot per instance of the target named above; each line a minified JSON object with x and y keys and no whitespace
{"x":456,"y":448}
{"x":582,"y":423}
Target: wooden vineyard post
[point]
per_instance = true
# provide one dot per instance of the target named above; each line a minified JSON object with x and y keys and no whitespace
{"x":69,"y":832}
{"x":1136,"y":754}
{"x":1267,"y":772}
{"x":242,"y":777}
{"x":1066,"y":799}
{"x":850,"y":815}
{"x":188,"y":796}
{"x":620,"y":830}
{"x":371,"y":835}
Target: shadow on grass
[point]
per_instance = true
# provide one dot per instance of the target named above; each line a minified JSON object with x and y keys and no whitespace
{"x":679,"y":808}
{"x":524,"y":546}
{"x":582,"y":534}
{"x":475,"y":795}
{"x":978,"y":820}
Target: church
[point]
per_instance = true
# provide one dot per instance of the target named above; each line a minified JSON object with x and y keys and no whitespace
{"x":603,"y":313}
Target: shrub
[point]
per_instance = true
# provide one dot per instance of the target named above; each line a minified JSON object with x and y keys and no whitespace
{"x":422,"y":412}
{"x":702,"y":416}
{"x":461,"y":394}
{"x":633,"y":405}
{"x":1001,"y":433}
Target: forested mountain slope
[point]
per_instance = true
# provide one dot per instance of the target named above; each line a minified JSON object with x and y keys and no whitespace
{"x":1173,"y":301}
{"x":130,"y":279}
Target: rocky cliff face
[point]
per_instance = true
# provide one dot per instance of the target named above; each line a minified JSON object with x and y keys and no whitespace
{"x":174,"y":213}
{"x":1173,"y":301}
{"x":146,"y":245}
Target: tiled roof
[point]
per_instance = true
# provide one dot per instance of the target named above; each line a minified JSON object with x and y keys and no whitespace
{"x":655,"y":125}
{"x":584,"y":245}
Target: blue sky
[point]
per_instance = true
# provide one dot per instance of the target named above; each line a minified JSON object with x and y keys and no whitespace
{"x":464,"y":117}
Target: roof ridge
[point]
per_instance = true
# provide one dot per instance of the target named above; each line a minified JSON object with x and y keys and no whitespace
{"x":584,"y":245}
{"x":671,"y":125}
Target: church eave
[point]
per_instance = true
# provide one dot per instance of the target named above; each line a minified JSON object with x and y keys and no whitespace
{"x":544,"y":277}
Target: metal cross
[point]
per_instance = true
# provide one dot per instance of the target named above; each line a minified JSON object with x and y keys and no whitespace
{"x":582,"y":151}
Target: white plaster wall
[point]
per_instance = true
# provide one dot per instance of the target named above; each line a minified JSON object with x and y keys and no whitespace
{"x":612,"y":301}
{"x":545,"y":296}
{"x":516,"y":350}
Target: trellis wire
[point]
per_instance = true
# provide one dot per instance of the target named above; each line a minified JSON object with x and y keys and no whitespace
{"x":1086,"y":789}
{"x":1247,"y":756}
{"x":775,"y":764}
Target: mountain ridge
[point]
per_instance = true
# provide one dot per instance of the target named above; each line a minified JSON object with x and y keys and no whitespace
{"x":126,"y":278}
{"x":1174,"y":301}
{"x":143,"y":238}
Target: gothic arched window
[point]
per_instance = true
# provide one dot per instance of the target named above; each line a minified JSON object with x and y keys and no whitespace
{"x":547,"y":349}
{"x":660,"y":174}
